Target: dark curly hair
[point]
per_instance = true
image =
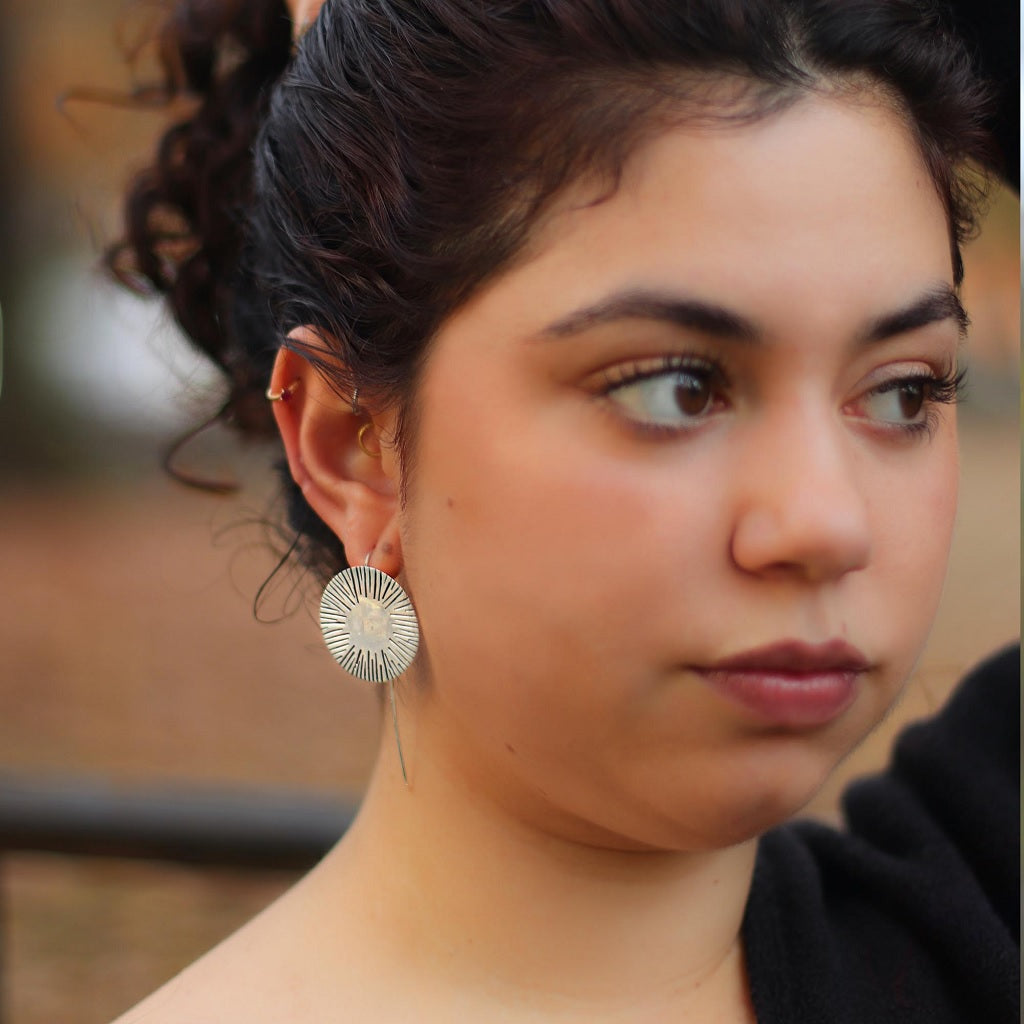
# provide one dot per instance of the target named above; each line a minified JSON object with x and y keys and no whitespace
{"x":369,"y":185}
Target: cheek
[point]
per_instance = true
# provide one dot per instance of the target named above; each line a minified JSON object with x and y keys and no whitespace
{"x":546,"y":573}
{"x":916,"y":525}
{"x":913,"y":517}
{"x":531,"y":555}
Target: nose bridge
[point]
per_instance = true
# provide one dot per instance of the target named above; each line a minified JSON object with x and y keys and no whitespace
{"x":801,"y":508}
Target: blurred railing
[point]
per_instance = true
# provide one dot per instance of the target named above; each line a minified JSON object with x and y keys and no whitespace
{"x":222,"y":828}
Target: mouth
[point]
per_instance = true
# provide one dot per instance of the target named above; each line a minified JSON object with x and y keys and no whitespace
{"x":790,"y":684}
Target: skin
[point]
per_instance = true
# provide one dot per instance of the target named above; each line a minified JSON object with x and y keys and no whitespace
{"x":302,"y":13}
{"x":577,"y":839}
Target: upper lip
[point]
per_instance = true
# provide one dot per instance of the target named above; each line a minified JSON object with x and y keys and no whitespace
{"x":796,"y":656}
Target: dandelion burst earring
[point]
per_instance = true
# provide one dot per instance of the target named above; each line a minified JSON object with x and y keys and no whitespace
{"x":371,"y":630}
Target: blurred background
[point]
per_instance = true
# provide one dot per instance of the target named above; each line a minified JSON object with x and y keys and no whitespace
{"x":129,"y":648}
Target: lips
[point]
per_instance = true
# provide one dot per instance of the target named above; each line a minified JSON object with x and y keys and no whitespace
{"x":791,"y":684}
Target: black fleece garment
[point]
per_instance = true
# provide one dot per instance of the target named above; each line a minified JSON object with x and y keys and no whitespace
{"x":911,"y":914}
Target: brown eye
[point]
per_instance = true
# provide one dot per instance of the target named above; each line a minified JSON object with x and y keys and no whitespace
{"x":693,"y":393}
{"x":911,"y":396}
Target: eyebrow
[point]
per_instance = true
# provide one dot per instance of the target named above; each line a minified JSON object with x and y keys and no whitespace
{"x":695,"y":314}
{"x":938,"y":304}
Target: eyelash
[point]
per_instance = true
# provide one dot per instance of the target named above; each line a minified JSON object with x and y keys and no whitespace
{"x":939,"y":389}
{"x":629,"y":373}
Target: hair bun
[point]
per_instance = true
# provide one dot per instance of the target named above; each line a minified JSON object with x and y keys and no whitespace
{"x":184,"y":212}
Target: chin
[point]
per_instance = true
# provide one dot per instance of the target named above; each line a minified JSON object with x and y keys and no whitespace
{"x":746,"y":803}
{"x":772,"y":810}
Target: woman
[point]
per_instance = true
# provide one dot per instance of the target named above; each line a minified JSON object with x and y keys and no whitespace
{"x":624,"y":337}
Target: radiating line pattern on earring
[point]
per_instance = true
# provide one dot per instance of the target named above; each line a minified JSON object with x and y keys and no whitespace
{"x":369,"y":624}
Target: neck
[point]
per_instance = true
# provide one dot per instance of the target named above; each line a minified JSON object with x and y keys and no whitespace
{"x":464,"y":890}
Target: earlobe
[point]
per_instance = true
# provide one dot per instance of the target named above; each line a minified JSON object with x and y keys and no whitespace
{"x":335,"y":455}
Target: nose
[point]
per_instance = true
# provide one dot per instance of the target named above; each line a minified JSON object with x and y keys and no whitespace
{"x":802,"y":509}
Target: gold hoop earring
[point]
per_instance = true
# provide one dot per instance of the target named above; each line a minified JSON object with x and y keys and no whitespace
{"x":360,"y":439}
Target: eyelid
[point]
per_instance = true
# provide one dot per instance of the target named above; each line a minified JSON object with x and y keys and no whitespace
{"x":900,"y":369}
{"x":629,"y":371}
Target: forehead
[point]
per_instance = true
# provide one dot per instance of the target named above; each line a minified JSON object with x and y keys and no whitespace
{"x":827,"y":197}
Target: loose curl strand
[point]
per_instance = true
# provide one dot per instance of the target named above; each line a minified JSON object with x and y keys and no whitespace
{"x":185,"y":213}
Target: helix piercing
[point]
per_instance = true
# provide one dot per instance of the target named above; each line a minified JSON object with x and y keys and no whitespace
{"x":285,"y":393}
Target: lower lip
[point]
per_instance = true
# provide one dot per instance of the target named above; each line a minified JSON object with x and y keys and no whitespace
{"x":793,"y":699}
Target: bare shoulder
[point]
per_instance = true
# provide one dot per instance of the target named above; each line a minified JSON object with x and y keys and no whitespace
{"x":231,"y":983}
{"x":270,"y":970}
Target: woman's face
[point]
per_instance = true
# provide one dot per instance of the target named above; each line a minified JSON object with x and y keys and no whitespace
{"x":683,"y":487}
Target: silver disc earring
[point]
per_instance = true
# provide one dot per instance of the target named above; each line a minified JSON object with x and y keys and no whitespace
{"x":369,"y":624}
{"x":371,"y":630}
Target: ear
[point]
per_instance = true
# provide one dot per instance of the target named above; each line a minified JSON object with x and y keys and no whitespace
{"x":332,"y":452}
